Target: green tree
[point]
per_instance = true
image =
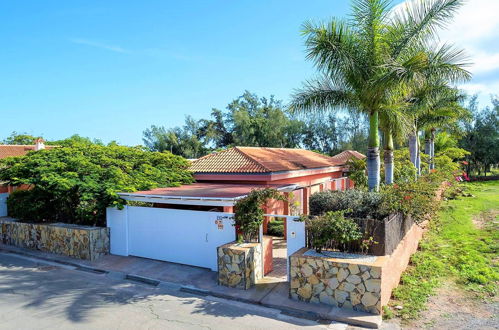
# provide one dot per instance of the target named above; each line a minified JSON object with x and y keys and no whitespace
{"x":363,"y":60}
{"x":75,"y":184}
{"x":20,"y":139}
{"x":184,"y":141}
{"x":481,"y":137}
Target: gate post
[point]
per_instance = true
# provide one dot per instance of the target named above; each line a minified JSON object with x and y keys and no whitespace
{"x":295,"y":231}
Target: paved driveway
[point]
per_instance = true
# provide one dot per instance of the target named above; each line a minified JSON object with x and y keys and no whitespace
{"x":37,"y":296}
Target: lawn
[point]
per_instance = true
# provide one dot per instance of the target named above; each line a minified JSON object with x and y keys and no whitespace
{"x":461,"y":246}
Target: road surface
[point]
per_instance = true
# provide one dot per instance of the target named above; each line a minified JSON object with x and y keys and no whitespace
{"x":40,"y":295}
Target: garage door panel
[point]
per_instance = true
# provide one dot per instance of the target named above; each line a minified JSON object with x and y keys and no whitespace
{"x":181,"y":236}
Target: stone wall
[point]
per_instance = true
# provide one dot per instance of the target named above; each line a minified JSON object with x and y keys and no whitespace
{"x":341,"y":284}
{"x":350,"y":283}
{"x":240,"y":265}
{"x":81,"y":242}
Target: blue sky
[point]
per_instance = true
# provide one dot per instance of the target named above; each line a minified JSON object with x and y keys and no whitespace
{"x":110,"y":69}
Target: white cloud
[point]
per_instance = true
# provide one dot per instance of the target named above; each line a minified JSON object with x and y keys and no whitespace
{"x":475,"y":28}
{"x":100,"y":45}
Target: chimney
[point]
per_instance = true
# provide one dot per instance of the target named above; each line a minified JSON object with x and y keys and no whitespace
{"x":39,"y":144}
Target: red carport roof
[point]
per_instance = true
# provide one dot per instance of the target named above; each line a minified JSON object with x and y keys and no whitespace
{"x":207,"y":190}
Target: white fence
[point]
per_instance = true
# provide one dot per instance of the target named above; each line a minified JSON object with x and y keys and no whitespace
{"x":181,"y":236}
{"x":3,"y":204}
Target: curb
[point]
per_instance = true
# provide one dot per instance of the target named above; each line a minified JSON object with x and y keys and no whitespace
{"x":201,"y":292}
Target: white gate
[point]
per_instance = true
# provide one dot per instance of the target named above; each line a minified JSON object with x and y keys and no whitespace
{"x":295,"y":235}
{"x":181,"y":236}
{"x":3,"y":204}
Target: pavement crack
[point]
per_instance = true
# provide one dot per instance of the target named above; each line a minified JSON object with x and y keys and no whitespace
{"x":156,"y":315}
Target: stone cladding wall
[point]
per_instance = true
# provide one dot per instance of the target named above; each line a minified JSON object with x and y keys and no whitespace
{"x":81,"y":242}
{"x":240,"y":265}
{"x":347,"y":285}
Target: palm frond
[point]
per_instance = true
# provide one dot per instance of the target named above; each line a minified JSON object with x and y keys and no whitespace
{"x":331,"y":46}
{"x":420,"y":20}
{"x":448,"y":63}
{"x":322,"y":95}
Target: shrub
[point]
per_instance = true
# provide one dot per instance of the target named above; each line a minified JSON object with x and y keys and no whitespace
{"x":75,"y":184}
{"x":276,"y":228}
{"x":361,"y":204}
{"x":357,"y":172}
{"x":249,"y":214}
{"x":415,"y":199}
{"x":331,"y":230}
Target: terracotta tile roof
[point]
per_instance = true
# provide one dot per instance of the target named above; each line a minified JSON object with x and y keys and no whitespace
{"x":16,"y":150}
{"x":260,"y":160}
{"x":344,"y":156}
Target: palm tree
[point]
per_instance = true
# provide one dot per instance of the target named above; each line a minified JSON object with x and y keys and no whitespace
{"x":395,"y":126}
{"x":433,"y":105}
{"x":442,"y":113}
{"x":364,"y":59}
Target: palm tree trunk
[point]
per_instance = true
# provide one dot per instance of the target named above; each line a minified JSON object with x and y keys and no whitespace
{"x":414,"y":148}
{"x":373,"y":161}
{"x":388,"y":157}
{"x":418,"y":156}
{"x":432,"y":149}
{"x":427,"y":147}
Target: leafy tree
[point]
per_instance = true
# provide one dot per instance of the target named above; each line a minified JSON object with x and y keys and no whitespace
{"x":365,"y":60}
{"x":74,"y":140}
{"x":183,"y":141}
{"x":481,"y":137}
{"x":261,"y":122}
{"x":75,"y":184}
{"x":20,"y":139}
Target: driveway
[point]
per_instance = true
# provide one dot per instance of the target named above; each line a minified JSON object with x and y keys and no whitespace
{"x":37,"y":295}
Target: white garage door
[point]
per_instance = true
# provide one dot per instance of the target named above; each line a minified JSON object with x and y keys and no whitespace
{"x":181,"y":236}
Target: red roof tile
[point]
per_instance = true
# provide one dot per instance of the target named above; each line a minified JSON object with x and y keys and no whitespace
{"x":260,"y":160}
{"x":344,"y":156}
{"x":16,"y":150}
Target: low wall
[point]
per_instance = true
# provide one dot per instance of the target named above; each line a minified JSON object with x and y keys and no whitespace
{"x":81,"y":242}
{"x":239,"y":265}
{"x":363,"y":284}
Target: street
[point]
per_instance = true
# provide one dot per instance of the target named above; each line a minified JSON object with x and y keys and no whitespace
{"x":38,"y":295}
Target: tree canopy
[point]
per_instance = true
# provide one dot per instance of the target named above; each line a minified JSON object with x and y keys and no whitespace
{"x":255,"y":121}
{"x":75,"y":184}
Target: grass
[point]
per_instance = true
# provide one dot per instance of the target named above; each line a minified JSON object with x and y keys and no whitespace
{"x":454,"y":248}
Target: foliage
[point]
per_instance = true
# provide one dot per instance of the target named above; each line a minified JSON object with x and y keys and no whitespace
{"x":331,"y":229}
{"x":414,"y":199}
{"x":183,"y":141}
{"x":249,"y":213}
{"x":20,"y":139}
{"x":248,"y":121}
{"x":411,"y":198}
{"x":276,"y":228}
{"x":405,"y":170}
{"x":76,"y":184}
{"x":371,"y":62}
{"x":481,"y":137}
{"x":355,"y":203}
{"x":256,"y":121}
{"x":455,"y":249}
{"x":76,"y":140}
{"x":332,"y":133}
{"x":357,"y":172}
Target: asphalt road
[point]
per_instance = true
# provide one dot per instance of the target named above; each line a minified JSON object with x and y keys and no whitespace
{"x":40,"y":295}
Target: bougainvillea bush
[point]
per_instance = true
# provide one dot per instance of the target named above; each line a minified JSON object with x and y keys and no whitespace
{"x":75,"y":184}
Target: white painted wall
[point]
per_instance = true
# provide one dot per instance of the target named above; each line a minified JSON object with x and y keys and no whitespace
{"x":117,"y":222}
{"x":3,"y":204}
{"x":295,"y":235}
{"x":181,"y":236}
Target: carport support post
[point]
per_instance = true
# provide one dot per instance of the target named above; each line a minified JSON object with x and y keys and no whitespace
{"x":286,"y":212}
